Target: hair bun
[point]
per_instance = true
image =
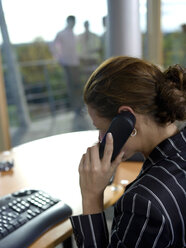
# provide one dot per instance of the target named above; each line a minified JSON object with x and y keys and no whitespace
{"x":171,"y":97}
{"x":176,"y":75}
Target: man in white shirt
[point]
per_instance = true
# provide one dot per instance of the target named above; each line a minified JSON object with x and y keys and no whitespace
{"x":64,"y":50}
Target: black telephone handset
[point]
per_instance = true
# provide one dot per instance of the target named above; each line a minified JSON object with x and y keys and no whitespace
{"x":121,"y":127}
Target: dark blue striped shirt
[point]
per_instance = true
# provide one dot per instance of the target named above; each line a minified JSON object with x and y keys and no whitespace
{"x":152,"y":211}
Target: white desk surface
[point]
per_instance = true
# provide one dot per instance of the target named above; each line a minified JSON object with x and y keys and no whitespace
{"x":51,"y":164}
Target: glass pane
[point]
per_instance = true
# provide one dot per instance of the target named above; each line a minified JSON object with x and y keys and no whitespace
{"x":174,"y":32}
{"x":44,"y":89}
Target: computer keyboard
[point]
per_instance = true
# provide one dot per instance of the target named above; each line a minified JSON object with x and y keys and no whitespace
{"x":26,"y":214}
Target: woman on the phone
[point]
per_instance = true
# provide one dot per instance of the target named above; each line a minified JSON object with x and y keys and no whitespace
{"x":152,"y":211}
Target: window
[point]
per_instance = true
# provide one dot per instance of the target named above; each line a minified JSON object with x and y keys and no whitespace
{"x":42,"y":97}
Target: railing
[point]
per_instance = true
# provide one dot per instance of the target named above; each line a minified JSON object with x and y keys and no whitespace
{"x":45,"y":96}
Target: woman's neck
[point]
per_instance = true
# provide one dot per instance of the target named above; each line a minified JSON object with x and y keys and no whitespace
{"x":156,"y":135}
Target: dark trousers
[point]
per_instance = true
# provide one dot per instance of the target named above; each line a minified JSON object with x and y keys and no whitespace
{"x":74,"y":87}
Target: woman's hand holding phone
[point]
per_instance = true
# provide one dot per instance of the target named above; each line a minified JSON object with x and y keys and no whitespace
{"x":95,"y":174}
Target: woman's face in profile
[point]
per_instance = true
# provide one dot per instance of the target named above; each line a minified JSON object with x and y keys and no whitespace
{"x":102,"y":124}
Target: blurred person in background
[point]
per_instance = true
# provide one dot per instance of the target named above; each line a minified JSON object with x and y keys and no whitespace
{"x":64,"y":49}
{"x":89,"y":45}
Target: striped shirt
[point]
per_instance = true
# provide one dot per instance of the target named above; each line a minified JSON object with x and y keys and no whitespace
{"x":151,"y":212}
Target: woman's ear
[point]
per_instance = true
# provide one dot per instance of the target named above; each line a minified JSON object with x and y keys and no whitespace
{"x":125,"y":108}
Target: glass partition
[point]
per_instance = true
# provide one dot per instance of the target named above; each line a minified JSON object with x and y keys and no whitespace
{"x":174,"y":32}
{"x":49,"y":49}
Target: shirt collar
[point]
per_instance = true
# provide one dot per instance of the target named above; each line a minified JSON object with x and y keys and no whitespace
{"x":166,"y":148}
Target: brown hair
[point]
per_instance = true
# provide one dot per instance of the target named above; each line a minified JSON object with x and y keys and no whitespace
{"x":139,"y":84}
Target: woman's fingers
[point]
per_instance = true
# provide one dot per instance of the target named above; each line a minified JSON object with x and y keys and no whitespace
{"x":87,"y":158}
{"x":108,"y":149}
{"x":94,"y":155}
{"x":81,"y":163}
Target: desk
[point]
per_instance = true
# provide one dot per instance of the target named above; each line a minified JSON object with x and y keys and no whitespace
{"x":51,"y":164}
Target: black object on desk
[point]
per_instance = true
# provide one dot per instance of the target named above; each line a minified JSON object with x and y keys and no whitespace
{"x":27,"y":214}
{"x":6,"y":165}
